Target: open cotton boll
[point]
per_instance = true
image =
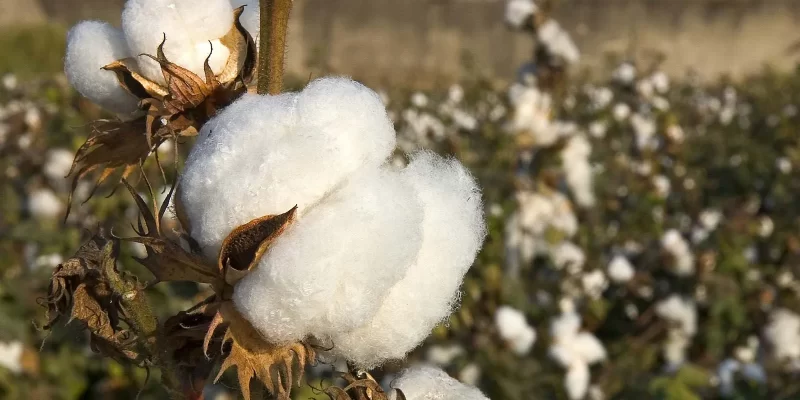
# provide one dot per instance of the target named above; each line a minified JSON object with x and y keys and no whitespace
{"x":452,"y":232}
{"x":518,"y":11}
{"x":558,"y":41}
{"x":263,"y":155}
{"x":576,"y":382}
{"x":328,"y":272}
{"x":11,"y":356}
{"x":681,"y":311}
{"x":428,"y":383}
{"x":58,"y":164}
{"x":91,"y":45}
{"x":187,"y":25}
{"x":43,"y":203}
{"x":514,"y":329}
{"x":620,"y":270}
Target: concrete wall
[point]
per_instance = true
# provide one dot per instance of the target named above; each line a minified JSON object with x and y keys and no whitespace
{"x":432,"y":42}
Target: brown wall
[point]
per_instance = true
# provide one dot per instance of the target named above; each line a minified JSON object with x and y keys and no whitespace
{"x":430,"y":42}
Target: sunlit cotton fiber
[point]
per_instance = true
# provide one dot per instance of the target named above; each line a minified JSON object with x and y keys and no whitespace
{"x":514,"y":329}
{"x":452,"y":233}
{"x":429,"y":383}
{"x":263,"y":155}
{"x":91,"y":45}
{"x":188,"y":28}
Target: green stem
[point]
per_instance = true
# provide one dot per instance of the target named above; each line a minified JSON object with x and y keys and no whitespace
{"x":272,"y":45}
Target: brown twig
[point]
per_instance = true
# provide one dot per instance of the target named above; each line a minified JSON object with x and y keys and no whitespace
{"x":272,"y":45}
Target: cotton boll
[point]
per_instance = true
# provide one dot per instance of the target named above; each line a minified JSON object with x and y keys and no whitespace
{"x":514,"y":329}
{"x":620,"y":270}
{"x":588,"y":347}
{"x":57,"y":164}
{"x":558,"y":41}
{"x":11,"y":356}
{"x":452,"y":233}
{"x":594,"y":283}
{"x":328,"y":272}
{"x":783,"y":333}
{"x":577,"y":381}
{"x":91,"y":45}
{"x":263,"y":155}
{"x":518,"y":11}
{"x":186,"y":27}
{"x":443,"y":355}
{"x":426,"y":383}
{"x":681,"y":311}
{"x":568,"y":255}
{"x":43,"y":203}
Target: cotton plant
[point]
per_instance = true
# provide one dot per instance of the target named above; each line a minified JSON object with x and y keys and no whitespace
{"x":575,"y":351}
{"x":168,"y":70}
{"x":314,"y":244}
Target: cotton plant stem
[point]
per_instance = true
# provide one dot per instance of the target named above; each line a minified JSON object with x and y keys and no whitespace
{"x":272,"y":45}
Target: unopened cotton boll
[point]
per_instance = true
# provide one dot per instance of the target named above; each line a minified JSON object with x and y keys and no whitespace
{"x":427,"y":383}
{"x":188,"y":28}
{"x":514,"y":329}
{"x":91,"y":45}
{"x":263,"y":155}
{"x":328,"y":272}
{"x":453,"y":230}
{"x":620,"y":270}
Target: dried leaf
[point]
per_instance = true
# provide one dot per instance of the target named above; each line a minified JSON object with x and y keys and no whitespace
{"x":167,"y":260}
{"x":135,"y":83}
{"x":111,"y":145}
{"x":275,"y":366}
{"x":245,"y":246}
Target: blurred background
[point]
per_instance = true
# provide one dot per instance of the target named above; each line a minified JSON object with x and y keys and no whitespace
{"x":639,"y":163}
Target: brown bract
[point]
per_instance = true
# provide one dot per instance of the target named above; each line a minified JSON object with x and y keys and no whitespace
{"x":189,"y":334}
{"x":360,"y":386}
{"x":179,"y":108}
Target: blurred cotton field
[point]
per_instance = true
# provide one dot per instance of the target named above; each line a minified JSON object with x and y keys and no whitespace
{"x":641,"y":237}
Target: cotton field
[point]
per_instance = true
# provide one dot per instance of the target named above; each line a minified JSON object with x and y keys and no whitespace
{"x":627,"y":234}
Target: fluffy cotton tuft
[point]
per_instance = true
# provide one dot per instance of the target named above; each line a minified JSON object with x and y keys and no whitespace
{"x":91,"y":45}
{"x":328,"y":272}
{"x":518,"y":11}
{"x":57,"y":164}
{"x":514,"y":329}
{"x":263,"y":155}
{"x":783,"y":333}
{"x":452,"y":232}
{"x":188,"y":29}
{"x":620,"y":270}
{"x":43,"y":203}
{"x":558,"y":42}
{"x":11,"y":356}
{"x":427,"y":383}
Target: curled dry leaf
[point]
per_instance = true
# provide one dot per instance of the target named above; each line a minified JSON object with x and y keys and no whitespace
{"x":178,"y":109}
{"x":167,"y":260}
{"x":83,"y":287}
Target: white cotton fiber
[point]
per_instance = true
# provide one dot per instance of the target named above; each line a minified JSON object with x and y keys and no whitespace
{"x":263,"y":155}
{"x":329,"y":271}
{"x":43,"y":203}
{"x":453,"y":231}
{"x":518,"y":11}
{"x":188,"y":26}
{"x":576,"y":382}
{"x":513,"y":328}
{"x":91,"y":45}
{"x":429,"y":383}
